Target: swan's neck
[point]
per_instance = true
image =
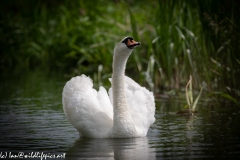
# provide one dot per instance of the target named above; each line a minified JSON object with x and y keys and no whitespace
{"x":119,"y":100}
{"x":122,"y":123}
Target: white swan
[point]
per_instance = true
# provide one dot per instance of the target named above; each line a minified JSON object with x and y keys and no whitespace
{"x":127,"y":112}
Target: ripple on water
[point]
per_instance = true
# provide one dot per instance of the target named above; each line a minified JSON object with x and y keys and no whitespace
{"x":37,"y":123}
{"x":24,"y":129}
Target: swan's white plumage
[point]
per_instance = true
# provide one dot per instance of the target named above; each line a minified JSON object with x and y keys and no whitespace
{"x":91,"y":111}
{"x":141,"y":106}
{"x":98,"y":114}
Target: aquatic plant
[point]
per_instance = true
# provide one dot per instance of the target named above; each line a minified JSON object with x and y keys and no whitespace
{"x":189,"y":96}
{"x":179,"y":38}
{"x":190,"y":108}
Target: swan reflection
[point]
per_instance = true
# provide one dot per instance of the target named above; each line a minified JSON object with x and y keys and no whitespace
{"x":131,"y":148}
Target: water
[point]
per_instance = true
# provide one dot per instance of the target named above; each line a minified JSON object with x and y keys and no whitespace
{"x":32,"y":122}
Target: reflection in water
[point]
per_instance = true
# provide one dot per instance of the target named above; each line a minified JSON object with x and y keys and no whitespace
{"x":189,"y":124}
{"x":124,"y":149}
{"x":32,"y":119}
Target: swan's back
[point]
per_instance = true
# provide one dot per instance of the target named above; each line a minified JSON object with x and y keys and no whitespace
{"x":89,"y":111}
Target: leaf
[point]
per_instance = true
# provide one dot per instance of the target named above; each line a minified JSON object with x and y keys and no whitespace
{"x":196,"y":100}
{"x":225,"y":95}
{"x":36,"y":46}
{"x":83,"y":51}
{"x":189,"y":96}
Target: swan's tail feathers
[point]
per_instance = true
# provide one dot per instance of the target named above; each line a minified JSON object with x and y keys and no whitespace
{"x":89,"y":111}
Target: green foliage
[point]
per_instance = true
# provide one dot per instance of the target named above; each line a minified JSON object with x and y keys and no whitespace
{"x":179,"y":38}
{"x":220,"y":23}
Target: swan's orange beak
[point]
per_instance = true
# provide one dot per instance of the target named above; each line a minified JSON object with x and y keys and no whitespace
{"x":132,"y":43}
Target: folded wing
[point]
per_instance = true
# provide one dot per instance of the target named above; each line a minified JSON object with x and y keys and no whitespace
{"x":89,"y":111}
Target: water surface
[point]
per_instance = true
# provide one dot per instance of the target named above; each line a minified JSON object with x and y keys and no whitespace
{"x":32,"y":121}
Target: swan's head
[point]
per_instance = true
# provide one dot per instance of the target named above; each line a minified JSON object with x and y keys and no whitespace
{"x":125,"y":46}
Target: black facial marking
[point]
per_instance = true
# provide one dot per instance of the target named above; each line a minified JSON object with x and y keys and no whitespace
{"x":126,"y":40}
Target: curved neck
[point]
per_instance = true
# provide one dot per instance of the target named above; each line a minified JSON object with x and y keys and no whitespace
{"x":122,"y":119}
{"x":119,"y":65}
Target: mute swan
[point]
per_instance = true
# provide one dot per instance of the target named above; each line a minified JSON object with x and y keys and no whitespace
{"x":128,"y":110}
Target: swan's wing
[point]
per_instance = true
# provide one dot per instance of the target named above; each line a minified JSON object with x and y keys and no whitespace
{"x":89,"y":111}
{"x":141,"y":105}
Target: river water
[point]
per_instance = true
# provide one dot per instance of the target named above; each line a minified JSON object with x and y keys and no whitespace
{"x":33,"y":126}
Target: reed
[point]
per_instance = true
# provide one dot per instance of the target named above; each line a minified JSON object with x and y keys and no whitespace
{"x":76,"y":37}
